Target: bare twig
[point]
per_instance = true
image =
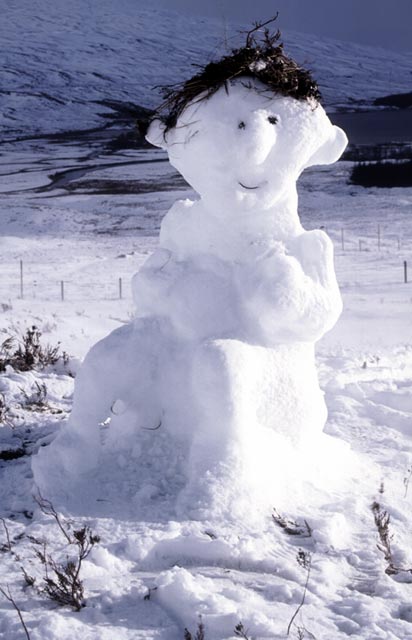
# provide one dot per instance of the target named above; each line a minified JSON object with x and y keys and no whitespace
{"x":382,"y":521}
{"x":291,"y":527}
{"x":302,"y":632}
{"x":36,"y":400}
{"x":48,"y":509}
{"x":149,"y":593}
{"x":28,"y":579}
{"x":304,"y":559}
{"x":10,"y":598}
{"x":6,"y":547}
{"x":258,"y":26}
{"x":29,"y":353}
{"x":262,"y":57}
{"x":240,"y":631}
{"x":407,"y":479}
{"x":4,"y":408}
{"x":200,"y":633}
{"x":62,"y":580}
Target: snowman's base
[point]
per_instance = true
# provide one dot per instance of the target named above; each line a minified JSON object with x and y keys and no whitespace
{"x":231,"y":491}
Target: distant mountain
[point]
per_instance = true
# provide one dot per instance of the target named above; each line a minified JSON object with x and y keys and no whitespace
{"x":61,"y":59}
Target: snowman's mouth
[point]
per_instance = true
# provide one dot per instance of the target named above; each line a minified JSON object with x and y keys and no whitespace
{"x":244,"y":186}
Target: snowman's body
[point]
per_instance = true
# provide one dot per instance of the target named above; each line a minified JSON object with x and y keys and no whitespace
{"x":221,"y":354}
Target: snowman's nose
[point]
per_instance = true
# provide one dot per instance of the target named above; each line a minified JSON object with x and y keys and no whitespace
{"x":257,"y":136}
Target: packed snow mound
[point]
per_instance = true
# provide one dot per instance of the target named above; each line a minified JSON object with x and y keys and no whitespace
{"x":209,"y":402}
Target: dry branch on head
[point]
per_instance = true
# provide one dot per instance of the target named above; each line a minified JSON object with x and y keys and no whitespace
{"x":262,"y":57}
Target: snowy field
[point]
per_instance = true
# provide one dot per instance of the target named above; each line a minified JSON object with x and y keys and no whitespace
{"x":76,"y":223}
{"x":226,"y":572}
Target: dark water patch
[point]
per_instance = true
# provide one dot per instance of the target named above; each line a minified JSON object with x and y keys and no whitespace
{"x":376,"y":127}
{"x":400,"y":100}
{"x":125,"y":187}
{"x":126,"y":111}
{"x":77,"y":136}
{"x":68,"y":178}
{"x":378,"y":152}
{"x":383,"y":174}
{"x":12,"y":454}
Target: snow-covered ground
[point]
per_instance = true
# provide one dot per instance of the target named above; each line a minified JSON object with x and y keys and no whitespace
{"x":151,"y":578}
{"x":226,"y":572}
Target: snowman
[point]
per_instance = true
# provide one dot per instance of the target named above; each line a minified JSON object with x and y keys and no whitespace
{"x":206,"y":399}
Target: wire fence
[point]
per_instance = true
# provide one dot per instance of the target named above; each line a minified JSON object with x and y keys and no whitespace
{"x":24,"y":280}
{"x":379,"y":241}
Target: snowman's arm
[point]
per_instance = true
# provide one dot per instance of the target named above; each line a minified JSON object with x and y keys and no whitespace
{"x":314,"y":251}
{"x":315,"y":298}
{"x":292,"y":292}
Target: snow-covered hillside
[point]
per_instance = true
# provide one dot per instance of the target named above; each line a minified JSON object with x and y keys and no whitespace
{"x":59,"y":59}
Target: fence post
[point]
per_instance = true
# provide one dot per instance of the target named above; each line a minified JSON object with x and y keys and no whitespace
{"x":21,"y":279}
{"x":120,"y":289}
{"x":360,"y":245}
{"x":405,"y":271}
{"x":62,"y":290}
{"x":342,"y":238}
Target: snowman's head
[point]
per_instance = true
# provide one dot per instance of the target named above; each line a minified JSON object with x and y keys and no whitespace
{"x":244,"y":128}
{"x":247,"y":143}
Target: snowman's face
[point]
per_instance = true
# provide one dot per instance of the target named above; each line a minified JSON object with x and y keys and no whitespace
{"x":246,"y":144}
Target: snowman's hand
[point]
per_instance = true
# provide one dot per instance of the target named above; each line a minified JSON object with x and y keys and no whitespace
{"x":314,"y":251}
{"x":293,"y":293}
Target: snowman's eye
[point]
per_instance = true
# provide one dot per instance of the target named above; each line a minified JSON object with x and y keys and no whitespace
{"x":273,"y":119}
{"x":241,"y":125}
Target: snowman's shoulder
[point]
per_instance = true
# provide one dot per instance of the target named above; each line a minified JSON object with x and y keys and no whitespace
{"x":181,"y":208}
{"x":180,"y":211}
{"x":176,"y":221}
